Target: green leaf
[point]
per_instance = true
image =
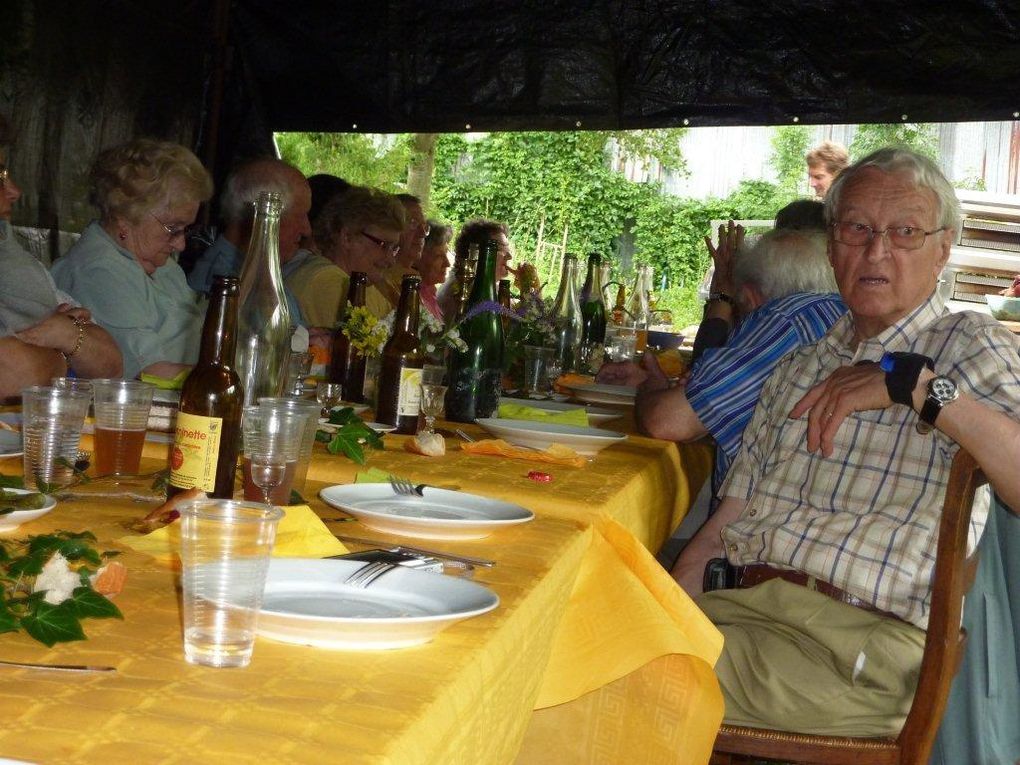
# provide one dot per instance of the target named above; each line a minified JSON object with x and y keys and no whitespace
{"x":347,"y":444}
{"x":51,"y":624}
{"x":8,"y":621}
{"x":86,"y":602}
{"x":12,"y":481}
{"x":29,"y":565}
{"x":295,"y":498}
{"x":77,"y":549}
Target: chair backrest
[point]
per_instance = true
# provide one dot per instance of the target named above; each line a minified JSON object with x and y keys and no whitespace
{"x":943,"y":650}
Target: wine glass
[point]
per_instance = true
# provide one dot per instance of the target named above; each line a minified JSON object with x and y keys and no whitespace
{"x":328,"y":395}
{"x":298,"y":368}
{"x":272,"y":440}
{"x":553,"y":370}
{"x":432,"y":397}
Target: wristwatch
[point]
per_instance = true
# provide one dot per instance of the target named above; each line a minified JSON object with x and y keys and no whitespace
{"x":941,"y":391}
{"x":723,"y":297}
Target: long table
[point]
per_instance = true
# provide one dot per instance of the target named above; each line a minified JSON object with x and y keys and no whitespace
{"x":594,"y":655}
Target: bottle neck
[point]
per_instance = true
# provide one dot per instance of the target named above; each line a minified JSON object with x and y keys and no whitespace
{"x":262,"y":262}
{"x":408,"y":309}
{"x":566,"y":298}
{"x":219,"y":332}
{"x":484,"y":287}
{"x":593,"y":282}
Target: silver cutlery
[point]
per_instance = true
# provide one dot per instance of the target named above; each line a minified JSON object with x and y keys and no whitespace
{"x":469,"y":560}
{"x":368,"y":573}
{"x":463,"y":435}
{"x":405,"y":488}
{"x":58,"y":667}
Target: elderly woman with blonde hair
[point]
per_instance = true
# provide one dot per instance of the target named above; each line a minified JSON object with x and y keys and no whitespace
{"x":123,"y":267}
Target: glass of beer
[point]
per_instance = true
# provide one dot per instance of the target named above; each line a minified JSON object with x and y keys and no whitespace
{"x":122,"y":415}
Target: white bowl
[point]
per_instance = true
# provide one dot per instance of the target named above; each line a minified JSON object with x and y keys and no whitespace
{"x":11,"y":521}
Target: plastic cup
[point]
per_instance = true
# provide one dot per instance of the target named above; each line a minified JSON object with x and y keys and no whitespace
{"x":272,"y":444}
{"x":72,"y":383}
{"x":52,"y":419}
{"x":311,"y":411}
{"x":536,"y":360}
{"x":122,"y":417}
{"x":225,"y":552}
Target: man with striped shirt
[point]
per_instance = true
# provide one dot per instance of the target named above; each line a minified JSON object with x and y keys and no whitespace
{"x":785,"y":288}
{"x":832,"y":504}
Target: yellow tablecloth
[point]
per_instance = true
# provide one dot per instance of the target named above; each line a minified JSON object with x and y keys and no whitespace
{"x":590,"y":631}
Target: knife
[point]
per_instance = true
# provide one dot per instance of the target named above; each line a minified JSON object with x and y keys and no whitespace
{"x":418,"y":551}
{"x":58,"y":667}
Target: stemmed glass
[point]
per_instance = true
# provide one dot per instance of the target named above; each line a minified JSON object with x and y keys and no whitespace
{"x":553,"y":370}
{"x":298,"y":368}
{"x":328,"y":395}
{"x":272,"y":440}
{"x":432,"y":397}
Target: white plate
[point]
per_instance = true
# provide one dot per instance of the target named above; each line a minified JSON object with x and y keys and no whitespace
{"x":440,"y":514}
{"x":594,"y":393}
{"x":378,"y":427}
{"x":306,"y":602}
{"x":596,"y":415}
{"x":11,"y":521}
{"x":10,"y":444}
{"x":586,"y":441}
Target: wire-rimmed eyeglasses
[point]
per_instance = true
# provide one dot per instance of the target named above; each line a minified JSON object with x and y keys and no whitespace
{"x":175,"y":231}
{"x":855,"y":234}
{"x":390,"y":247}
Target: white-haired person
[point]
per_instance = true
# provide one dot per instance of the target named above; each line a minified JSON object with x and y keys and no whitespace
{"x":225,"y":256}
{"x":123,"y":267}
{"x":786,"y":293}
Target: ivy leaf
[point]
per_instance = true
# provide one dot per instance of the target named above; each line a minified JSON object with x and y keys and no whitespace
{"x":8,"y":621}
{"x":51,"y":624}
{"x":77,"y":549}
{"x":29,"y":565}
{"x":85,"y":602}
{"x":343,"y":416}
{"x":347,"y":444}
{"x":296,"y":499}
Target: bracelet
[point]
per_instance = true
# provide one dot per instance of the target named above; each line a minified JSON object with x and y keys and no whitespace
{"x":81,"y":324}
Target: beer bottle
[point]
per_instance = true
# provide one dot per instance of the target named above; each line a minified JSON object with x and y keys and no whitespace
{"x":263,"y":335}
{"x":346,"y":365}
{"x":567,"y":316}
{"x":208,"y":430}
{"x":401,"y":364}
{"x":593,"y":314}
{"x":475,"y":374}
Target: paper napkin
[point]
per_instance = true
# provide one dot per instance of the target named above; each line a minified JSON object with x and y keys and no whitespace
{"x":524,"y":412}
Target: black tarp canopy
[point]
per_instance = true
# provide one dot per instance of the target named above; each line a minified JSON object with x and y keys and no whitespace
{"x":220,"y":76}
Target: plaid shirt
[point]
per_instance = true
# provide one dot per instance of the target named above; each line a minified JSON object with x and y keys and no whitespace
{"x":865,"y":519}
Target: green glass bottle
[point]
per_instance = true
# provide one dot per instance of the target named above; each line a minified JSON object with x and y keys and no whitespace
{"x":567,"y":316}
{"x":475,"y":374}
{"x":593,"y":316}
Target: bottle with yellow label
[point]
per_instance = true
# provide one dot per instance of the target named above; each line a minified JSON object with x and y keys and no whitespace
{"x":400,"y":368}
{"x":208,"y":430}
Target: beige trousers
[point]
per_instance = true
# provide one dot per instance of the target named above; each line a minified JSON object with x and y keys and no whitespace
{"x":797,"y":660}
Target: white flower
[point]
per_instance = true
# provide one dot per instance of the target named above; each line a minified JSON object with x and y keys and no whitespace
{"x":57,"y":579}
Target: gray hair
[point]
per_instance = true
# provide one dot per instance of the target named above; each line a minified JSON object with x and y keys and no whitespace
{"x":922,"y":171}
{"x":784,"y":261}
{"x":249,"y":179}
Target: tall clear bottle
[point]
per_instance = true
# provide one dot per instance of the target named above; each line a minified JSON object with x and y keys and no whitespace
{"x":475,"y":375}
{"x":399,"y":400}
{"x":637,"y":306}
{"x":567,"y":316}
{"x":264,"y":322}
{"x":208,"y":430}
{"x":346,"y":365}
{"x":593,"y":316}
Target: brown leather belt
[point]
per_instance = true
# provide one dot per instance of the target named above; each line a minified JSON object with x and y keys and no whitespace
{"x":749,"y":576}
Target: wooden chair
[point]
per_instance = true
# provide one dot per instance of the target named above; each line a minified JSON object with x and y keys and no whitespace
{"x":943,"y":650}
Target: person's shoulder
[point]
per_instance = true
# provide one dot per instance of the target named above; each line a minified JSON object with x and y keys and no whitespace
{"x":797,"y":303}
{"x":970,"y":326}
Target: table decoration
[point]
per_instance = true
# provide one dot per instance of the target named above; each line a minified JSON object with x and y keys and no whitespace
{"x":51,"y":582}
{"x":18,"y":506}
{"x":348,"y":435}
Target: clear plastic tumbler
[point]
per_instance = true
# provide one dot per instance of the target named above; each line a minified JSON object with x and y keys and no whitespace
{"x":311,"y":411}
{"x":52,"y":419}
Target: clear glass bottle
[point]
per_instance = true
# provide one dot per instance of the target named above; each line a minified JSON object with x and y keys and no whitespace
{"x":567,"y":316}
{"x":593,"y":316}
{"x":475,"y":374}
{"x":637,"y":306}
{"x":264,"y":321}
{"x":208,"y":432}
{"x":346,"y":365}
{"x":399,"y":399}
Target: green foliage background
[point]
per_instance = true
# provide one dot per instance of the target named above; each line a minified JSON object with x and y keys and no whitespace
{"x":567,"y":180}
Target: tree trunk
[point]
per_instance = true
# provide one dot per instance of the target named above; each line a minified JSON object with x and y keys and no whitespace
{"x":423,"y":163}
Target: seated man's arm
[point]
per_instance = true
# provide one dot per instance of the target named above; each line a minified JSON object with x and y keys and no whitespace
{"x":689,"y":569}
{"x":24,"y":365}
{"x":666,"y":414}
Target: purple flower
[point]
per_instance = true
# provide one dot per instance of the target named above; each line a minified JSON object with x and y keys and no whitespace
{"x":489,"y":306}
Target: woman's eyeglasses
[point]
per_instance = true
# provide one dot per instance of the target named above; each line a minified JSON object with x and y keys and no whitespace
{"x":175,"y":231}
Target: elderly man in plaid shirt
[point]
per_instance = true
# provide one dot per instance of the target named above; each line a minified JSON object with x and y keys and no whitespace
{"x":842,"y":470}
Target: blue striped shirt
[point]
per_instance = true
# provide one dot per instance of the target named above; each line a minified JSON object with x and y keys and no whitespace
{"x":725,"y":382}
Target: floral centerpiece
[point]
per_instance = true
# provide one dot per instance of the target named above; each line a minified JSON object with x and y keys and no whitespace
{"x":435,"y":338}
{"x":367,"y":333}
{"x":532,"y":323}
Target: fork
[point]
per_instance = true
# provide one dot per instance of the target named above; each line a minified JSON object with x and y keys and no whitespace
{"x":405,"y":488}
{"x":368,"y":573}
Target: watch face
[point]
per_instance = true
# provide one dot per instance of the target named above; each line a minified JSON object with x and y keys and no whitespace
{"x":943,"y":389}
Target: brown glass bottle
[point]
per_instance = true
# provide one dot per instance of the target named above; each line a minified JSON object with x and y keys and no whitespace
{"x":346,"y":365}
{"x":399,"y":399}
{"x":208,"y":429}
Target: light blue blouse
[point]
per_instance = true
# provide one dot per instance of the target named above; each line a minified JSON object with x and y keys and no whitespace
{"x":152,"y":318}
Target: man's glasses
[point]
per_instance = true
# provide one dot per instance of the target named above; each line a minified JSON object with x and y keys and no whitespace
{"x":390,"y":247}
{"x":175,"y":231}
{"x":901,"y":237}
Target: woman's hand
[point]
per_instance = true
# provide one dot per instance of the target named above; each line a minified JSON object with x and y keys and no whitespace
{"x":57,"y":331}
